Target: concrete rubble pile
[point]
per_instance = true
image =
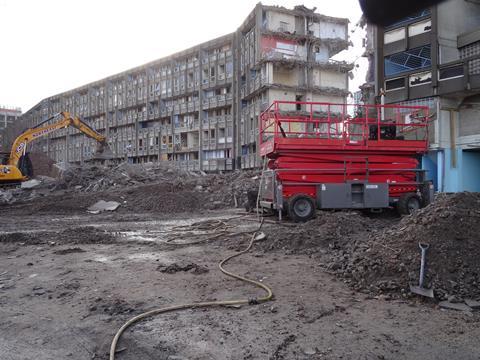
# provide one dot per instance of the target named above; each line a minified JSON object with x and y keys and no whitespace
{"x":223,"y":188}
{"x":29,"y":190}
{"x":139,"y":187}
{"x":89,"y":178}
{"x":389,"y":259}
{"x":381,"y":255}
{"x":328,"y":231}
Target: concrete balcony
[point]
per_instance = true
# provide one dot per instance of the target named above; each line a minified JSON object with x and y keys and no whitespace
{"x":220,"y":164}
{"x":190,"y":165}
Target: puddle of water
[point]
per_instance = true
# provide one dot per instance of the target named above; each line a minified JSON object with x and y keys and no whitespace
{"x":63,"y":218}
{"x":158,"y":225}
{"x":102,"y":259}
{"x":142,"y":235}
{"x":163,"y":258}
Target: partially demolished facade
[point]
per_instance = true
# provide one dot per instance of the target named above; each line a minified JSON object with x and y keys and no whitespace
{"x":200,"y":107}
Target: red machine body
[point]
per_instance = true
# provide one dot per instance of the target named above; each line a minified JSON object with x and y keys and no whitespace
{"x":309,"y":145}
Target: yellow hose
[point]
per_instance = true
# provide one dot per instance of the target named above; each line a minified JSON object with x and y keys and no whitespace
{"x":253,"y":301}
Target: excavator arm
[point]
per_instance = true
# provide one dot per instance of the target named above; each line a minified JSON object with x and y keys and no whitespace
{"x":20,"y":144}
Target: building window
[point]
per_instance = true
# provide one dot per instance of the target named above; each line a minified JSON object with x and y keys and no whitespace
{"x":450,"y":72}
{"x":283,"y":26}
{"x":394,"y":35}
{"x":410,"y":18}
{"x":420,"y":28}
{"x":395,"y":84}
{"x":420,"y":79}
{"x":413,"y":59}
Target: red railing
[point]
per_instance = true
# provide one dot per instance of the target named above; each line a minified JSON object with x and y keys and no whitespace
{"x":293,"y":125}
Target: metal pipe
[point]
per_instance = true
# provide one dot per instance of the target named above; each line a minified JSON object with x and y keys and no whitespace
{"x":453,"y":155}
{"x":382,"y":102}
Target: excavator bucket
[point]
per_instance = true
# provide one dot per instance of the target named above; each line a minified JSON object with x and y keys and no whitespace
{"x":103,"y":152}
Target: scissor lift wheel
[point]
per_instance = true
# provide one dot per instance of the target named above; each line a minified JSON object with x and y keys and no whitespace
{"x":301,"y":208}
{"x":408,"y":203}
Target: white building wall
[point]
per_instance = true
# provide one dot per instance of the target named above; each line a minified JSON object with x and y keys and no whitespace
{"x":286,"y":76}
{"x":282,"y":95}
{"x":333,"y":79}
{"x":280,"y":22}
{"x":334,"y":99}
{"x":328,"y":30}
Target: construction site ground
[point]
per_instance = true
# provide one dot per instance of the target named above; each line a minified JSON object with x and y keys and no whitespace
{"x":69,"y":279}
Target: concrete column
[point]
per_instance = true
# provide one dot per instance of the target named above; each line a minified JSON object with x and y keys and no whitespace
{"x":172,"y":126}
{"x":235,"y":99}
{"x":67,"y":144}
{"x":160,"y":144}
{"x":200,"y":111}
{"x":440,"y":170}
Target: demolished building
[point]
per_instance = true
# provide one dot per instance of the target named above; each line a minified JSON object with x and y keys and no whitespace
{"x":200,"y":107}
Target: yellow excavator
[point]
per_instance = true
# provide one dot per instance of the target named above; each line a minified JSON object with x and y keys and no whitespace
{"x":18,"y":167}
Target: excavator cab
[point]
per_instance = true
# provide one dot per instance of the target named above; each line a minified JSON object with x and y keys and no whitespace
{"x":4,"y":158}
{"x":25,"y":165}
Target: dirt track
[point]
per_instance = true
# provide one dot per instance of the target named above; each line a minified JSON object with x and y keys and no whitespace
{"x":68,"y":282}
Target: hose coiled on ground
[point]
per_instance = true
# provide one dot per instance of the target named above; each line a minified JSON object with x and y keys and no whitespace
{"x":267,"y":297}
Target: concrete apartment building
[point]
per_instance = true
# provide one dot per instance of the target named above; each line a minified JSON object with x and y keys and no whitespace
{"x":433,"y":58}
{"x":200,"y":107}
{"x":8,"y":116}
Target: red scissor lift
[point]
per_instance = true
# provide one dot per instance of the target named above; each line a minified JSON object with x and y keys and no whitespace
{"x":340,"y":156}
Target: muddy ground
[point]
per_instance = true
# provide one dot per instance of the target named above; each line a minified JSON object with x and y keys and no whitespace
{"x":69,"y":280}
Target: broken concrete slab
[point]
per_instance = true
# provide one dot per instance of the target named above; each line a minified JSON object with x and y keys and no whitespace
{"x":309,"y":351}
{"x":30,"y":184}
{"x":260,"y":236}
{"x":474,"y":304}
{"x":454,"y":306}
{"x":103,"y":205}
{"x":6,"y":196}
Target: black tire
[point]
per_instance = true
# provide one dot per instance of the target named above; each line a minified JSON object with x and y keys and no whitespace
{"x":426,"y":196}
{"x":408,"y":203}
{"x":251,"y":203}
{"x":301,"y":208}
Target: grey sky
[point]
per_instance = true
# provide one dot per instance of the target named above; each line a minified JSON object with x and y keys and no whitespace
{"x":51,"y":46}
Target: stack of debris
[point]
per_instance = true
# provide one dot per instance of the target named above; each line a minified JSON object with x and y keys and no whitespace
{"x":328,"y":231}
{"x":158,"y":187}
{"x":28,"y":190}
{"x":389,"y":260}
{"x":229,"y":189}
{"x":381,"y":255}
{"x":90,"y":178}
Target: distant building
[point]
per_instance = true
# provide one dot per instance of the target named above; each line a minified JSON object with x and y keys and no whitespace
{"x":432,"y":58}
{"x":8,"y":115}
{"x":200,"y":107}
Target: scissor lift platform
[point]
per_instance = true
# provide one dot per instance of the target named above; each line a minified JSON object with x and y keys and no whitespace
{"x":323,"y":155}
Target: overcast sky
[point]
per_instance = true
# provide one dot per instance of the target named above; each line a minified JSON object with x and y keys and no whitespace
{"x":51,"y":46}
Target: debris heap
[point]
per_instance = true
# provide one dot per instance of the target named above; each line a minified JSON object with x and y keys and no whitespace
{"x":158,"y":187}
{"x":389,"y":259}
{"x":381,"y":255}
